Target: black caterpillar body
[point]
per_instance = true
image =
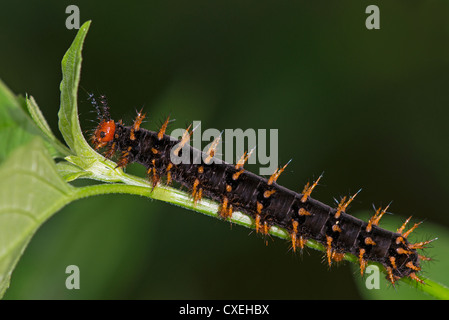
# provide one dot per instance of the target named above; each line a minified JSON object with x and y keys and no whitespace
{"x":268,"y":203}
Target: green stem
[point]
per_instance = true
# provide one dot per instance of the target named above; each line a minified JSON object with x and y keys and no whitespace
{"x":432,"y":288}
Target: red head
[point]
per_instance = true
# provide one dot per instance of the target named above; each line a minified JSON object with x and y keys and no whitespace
{"x":103,"y":134}
{"x":106,"y":128}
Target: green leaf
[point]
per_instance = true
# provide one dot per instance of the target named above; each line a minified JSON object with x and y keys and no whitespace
{"x":42,"y":124}
{"x":70,"y":172}
{"x":68,"y":112}
{"x":15,"y":127}
{"x":31,"y":190}
{"x":38,"y":117}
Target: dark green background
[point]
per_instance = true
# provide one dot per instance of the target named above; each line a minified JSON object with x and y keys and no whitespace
{"x":369,"y":108}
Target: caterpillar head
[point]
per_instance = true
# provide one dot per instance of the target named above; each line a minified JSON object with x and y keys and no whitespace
{"x":104,"y":133}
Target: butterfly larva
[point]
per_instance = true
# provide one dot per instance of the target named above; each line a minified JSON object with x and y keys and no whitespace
{"x":264,"y":200}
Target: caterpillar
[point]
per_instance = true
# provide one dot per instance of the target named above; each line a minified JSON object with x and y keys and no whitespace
{"x":263,"y":199}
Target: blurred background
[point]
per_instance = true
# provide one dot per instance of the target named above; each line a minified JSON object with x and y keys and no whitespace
{"x":367,"y":107}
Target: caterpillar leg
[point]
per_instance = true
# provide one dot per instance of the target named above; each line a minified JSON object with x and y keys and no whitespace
{"x":362,"y":261}
{"x":197,"y":192}
{"x":297,"y":239}
{"x":225,"y":210}
{"x":112,"y":149}
{"x":125,"y":158}
{"x":153,"y":174}
{"x":329,"y":250}
{"x":416,"y":278}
